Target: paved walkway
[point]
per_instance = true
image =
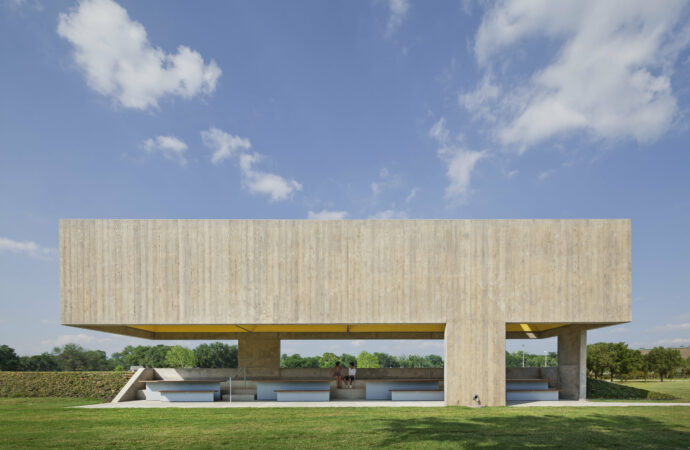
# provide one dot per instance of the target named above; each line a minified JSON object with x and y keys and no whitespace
{"x":585,"y":403}
{"x":331,"y":404}
{"x":357,"y":404}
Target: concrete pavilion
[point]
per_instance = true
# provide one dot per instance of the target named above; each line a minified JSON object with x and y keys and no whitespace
{"x":472,"y":283}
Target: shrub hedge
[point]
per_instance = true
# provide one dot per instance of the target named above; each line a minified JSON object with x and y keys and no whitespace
{"x":600,"y":389}
{"x":96,"y":385}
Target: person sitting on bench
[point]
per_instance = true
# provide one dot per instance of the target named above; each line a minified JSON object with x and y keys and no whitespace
{"x":351,"y":372}
{"x":338,"y":374}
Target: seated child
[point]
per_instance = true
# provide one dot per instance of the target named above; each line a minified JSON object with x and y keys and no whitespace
{"x":351,"y":372}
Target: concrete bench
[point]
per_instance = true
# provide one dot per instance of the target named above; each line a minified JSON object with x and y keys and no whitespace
{"x":527,"y":384}
{"x":381,"y":389}
{"x":266,"y":389}
{"x":531,"y":395}
{"x":305,"y":395}
{"x":186,"y":396}
{"x":154,"y":387}
{"x":409,"y":395}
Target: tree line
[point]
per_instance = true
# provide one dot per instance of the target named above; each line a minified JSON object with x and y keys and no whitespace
{"x":616,"y":359}
{"x":73,"y":357}
{"x":363,"y":360}
{"x":604,"y":358}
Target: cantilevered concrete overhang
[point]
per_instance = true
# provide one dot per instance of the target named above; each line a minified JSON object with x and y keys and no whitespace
{"x":473,"y":283}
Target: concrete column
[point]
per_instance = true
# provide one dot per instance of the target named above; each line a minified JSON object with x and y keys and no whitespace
{"x":259,"y":353}
{"x":475,"y":363}
{"x":572,"y":364}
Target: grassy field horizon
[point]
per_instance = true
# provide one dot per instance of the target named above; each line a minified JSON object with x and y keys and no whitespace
{"x":678,"y":388}
{"x":49,"y":422}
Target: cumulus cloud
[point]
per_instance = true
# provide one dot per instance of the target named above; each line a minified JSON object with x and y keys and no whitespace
{"x":460,"y":162}
{"x":170,"y":147}
{"x":325,"y":214}
{"x":225,"y":145}
{"x":80,"y":339}
{"x":397,"y":11}
{"x":389,"y":214}
{"x":118,"y":60}
{"x":609,"y":79}
{"x":28,"y":248}
{"x":385,"y":180}
{"x":411,"y":195}
{"x":258,"y":182}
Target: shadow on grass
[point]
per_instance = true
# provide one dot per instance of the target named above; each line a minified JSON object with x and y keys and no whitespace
{"x":595,"y":430}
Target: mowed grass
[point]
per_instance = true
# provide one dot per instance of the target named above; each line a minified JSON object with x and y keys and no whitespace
{"x":42,"y":422}
{"x":677,"y":388}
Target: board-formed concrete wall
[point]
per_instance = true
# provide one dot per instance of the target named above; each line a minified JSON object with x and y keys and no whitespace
{"x":474,"y":276}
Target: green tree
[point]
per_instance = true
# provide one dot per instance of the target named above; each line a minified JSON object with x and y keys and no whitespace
{"x":664,"y":361}
{"x":367,"y":360}
{"x":328,"y":360}
{"x":73,"y":357}
{"x":386,"y":360}
{"x":179,"y":356}
{"x":8,"y":358}
{"x":600,"y":357}
{"x":45,"y":362}
{"x":435,"y":361}
{"x":216,"y":355}
{"x":346,"y":359}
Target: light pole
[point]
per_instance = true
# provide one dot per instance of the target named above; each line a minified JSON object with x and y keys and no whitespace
{"x":523,"y":356}
{"x":545,"y":353}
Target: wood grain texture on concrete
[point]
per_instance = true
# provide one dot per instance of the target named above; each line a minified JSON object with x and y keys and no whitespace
{"x":473,"y":276}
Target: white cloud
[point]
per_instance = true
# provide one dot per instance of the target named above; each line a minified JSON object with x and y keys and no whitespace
{"x":327,"y":215}
{"x":673,"y":342}
{"x":224,"y":144}
{"x":257,"y":182}
{"x":170,"y":147}
{"x":397,"y":12}
{"x":460,"y":162}
{"x":80,"y":339}
{"x":545,"y":174}
{"x":389,"y":214}
{"x":411,"y":195}
{"x":672,"y":327}
{"x":29,"y":248}
{"x":119,"y":61}
{"x":386,"y":180}
{"x":609,"y":79}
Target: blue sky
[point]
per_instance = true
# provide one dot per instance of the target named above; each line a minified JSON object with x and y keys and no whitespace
{"x":313,"y":109}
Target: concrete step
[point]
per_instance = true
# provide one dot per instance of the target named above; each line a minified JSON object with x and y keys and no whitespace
{"x":348,"y":394}
{"x":240,"y":397}
{"x":248,"y":391}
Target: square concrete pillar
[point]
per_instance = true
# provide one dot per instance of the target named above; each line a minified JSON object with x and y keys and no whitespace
{"x":259,"y":353}
{"x":572,"y":364}
{"x":475,"y":363}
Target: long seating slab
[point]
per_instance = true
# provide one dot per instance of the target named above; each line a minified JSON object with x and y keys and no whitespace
{"x":154,"y":387}
{"x":381,"y":389}
{"x":266,"y":389}
{"x":526,"y":384}
{"x":186,"y":395}
{"x":409,"y":395}
{"x":527,"y":395}
{"x":303,"y":395}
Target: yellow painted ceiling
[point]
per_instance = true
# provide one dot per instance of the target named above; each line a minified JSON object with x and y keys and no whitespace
{"x":330,"y":328}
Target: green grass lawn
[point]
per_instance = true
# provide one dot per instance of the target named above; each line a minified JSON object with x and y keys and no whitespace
{"x":677,"y":388}
{"x":44,"y":422}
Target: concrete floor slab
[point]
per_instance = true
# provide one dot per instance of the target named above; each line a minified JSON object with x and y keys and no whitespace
{"x":271,"y":404}
{"x":584,"y":403}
